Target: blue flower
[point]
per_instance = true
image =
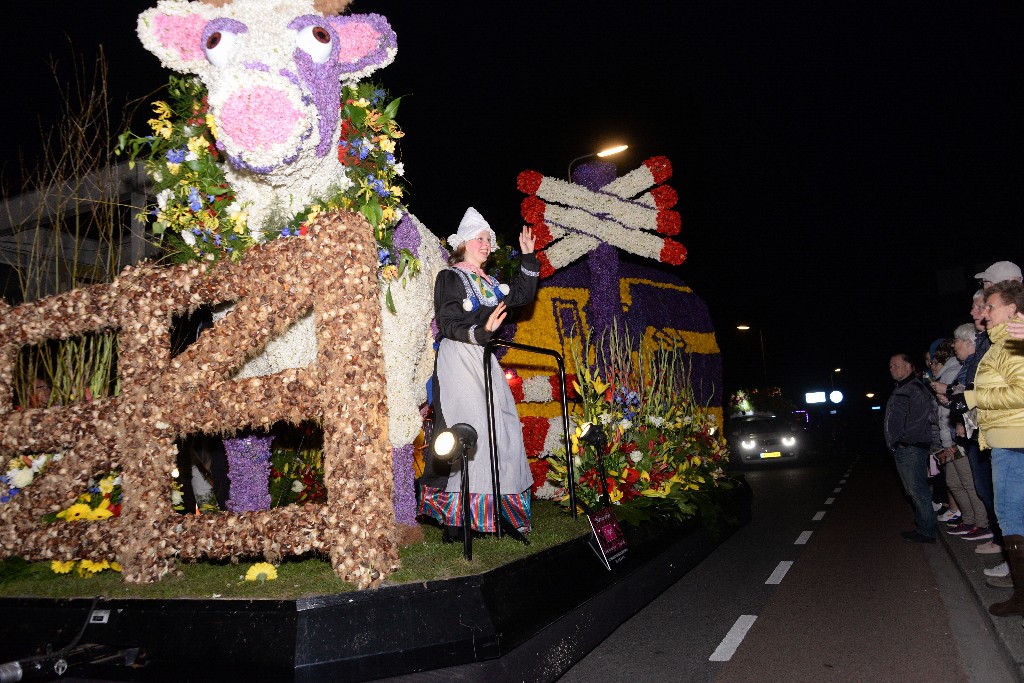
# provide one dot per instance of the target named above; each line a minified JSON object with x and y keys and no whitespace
{"x":176,"y":156}
{"x":216,"y":240}
{"x":377,"y":96}
{"x":390,"y":158}
{"x":285,"y":232}
{"x":195,"y":202}
{"x":377,"y":184}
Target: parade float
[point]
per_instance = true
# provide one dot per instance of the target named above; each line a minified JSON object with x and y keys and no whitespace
{"x":278,"y":188}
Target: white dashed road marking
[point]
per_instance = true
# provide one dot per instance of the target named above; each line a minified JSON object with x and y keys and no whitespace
{"x":727,"y":648}
{"x":817,"y":516}
{"x":837,"y":490}
{"x":829,"y":501}
{"x":802,"y":538}
{"x":776,"y":578}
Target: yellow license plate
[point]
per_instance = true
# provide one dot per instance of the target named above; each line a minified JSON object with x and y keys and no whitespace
{"x":773,"y":454}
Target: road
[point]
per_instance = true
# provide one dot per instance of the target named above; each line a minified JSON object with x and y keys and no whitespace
{"x":818,"y":587}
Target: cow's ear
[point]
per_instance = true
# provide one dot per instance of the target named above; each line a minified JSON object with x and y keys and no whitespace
{"x":367,"y":43}
{"x":173,"y":31}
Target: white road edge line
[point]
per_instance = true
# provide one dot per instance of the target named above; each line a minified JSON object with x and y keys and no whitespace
{"x":817,"y":516}
{"x":803,"y":538}
{"x":829,"y":501}
{"x":780,"y":572}
{"x":727,"y":648}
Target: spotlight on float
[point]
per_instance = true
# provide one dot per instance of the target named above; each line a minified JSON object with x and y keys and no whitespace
{"x":454,"y":441}
{"x":815,"y":397}
{"x":593,"y":435}
{"x":836,"y":396}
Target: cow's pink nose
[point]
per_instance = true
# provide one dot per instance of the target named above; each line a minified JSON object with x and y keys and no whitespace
{"x":256,"y":119}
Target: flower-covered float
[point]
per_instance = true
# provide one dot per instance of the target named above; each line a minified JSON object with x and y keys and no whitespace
{"x":271,"y":148}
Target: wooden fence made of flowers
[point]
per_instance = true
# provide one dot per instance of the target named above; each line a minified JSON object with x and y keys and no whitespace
{"x":331,"y":271}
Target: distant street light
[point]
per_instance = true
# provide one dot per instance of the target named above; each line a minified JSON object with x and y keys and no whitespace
{"x":603,"y":153}
{"x":764,"y":362}
{"x":869,"y":395}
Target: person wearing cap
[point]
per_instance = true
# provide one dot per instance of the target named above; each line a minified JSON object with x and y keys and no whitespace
{"x":469,"y":307}
{"x":1000,"y":271}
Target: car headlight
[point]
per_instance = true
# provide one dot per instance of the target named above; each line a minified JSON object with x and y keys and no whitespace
{"x":748,"y":443}
{"x":789,"y":441}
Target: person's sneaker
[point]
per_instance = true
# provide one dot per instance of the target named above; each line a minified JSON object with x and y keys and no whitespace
{"x":999,"y":581}
{"x":956,"y":520}
{"x":937,"y":506}
{"x":961,"y":529}
{"x":988,"y":548}
{"x":949,"y":516}
{"x":916,"y":537}
{"x":977,"y":534}
{"x":998,"y":570}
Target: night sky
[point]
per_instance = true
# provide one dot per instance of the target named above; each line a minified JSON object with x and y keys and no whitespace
{"x":843,"y":168}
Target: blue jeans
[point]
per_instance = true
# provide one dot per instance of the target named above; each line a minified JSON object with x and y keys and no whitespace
{"x":912,"y":464}
{"x":1008,"y":481}
{"x":981,"y":466}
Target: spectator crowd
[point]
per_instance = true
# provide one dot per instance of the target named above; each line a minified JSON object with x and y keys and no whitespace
{"x":956,"y":429}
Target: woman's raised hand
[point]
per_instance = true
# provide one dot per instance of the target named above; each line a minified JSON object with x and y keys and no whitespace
{"x":527,"y":241}
{"x":496,"y":317}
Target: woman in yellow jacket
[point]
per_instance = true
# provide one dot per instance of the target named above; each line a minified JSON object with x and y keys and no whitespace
{"x":998,"y":394}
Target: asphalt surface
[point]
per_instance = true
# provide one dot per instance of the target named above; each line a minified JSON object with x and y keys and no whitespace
{"x":821,"y":587}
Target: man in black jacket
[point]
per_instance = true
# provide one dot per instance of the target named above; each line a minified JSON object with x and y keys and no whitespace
{"x":909,"y":431}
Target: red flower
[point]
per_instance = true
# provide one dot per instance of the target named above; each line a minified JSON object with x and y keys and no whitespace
{"x":660,"y":168}
{"x":542,"y":233}
{"x":535,"y":431}
{"x":529,"y":181}
{"x":672,"y":252}
{"x":669,"y":222}
{"x":631,"y":475}
{"x":664,"y":197}
{"x":533,"y":209}
{"x":539,"y":469}
{"x":546,"y":268}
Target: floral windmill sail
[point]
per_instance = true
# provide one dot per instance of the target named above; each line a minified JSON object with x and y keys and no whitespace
{"x":633,"y":213}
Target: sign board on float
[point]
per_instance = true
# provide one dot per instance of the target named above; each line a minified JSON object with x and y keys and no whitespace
{"x":608,"y":543}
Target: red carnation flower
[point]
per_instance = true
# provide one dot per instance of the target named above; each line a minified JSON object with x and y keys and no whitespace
{"x":546,"y":269}
{"x":669,"y":222}
{"x":539,"y":469}
{"x":660,"y":168}
{"x":533,"y":209}
{"x":542,"y":233}
{"x":529,"y":181}
{"x":664,"y":197}
{"x":673,"y":253}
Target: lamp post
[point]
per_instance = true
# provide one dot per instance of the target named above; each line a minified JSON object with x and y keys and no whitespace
{"x":764,"y":362}
{"x":603,"y":153}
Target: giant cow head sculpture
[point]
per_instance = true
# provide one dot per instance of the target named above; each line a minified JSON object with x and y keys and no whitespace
{"x":274,"y":71}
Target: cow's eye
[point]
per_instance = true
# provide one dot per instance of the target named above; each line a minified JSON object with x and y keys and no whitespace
{"x":219,"y":47}
{"x":316,"y":41}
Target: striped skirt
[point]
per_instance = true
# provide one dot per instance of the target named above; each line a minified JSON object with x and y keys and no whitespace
{"x":446,"y":507}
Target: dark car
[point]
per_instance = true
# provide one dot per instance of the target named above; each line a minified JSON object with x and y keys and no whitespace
{"x":765,"y":438}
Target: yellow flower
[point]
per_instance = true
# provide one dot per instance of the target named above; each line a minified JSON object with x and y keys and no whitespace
{"x":615,"y":495}
{"x":76,"y":512}
{"x":173,"y":168}
{"x":599,"y":386}
{"x":59,"y":567}
{"x":396,"y":191}
{"x":100,"y":513}
{"x":389,"y":272}
{"x":106,"y":485}
{"x":362,"y":102}
{"x":162,"y":109}
{"x":387,"y":144}
{"x":115,"y":566}
{"x":645,"y":476}
{"x":261,"y":571}
{"x":211,"y":123}
{"x":197,"y":145}
{"x":87,"y":567}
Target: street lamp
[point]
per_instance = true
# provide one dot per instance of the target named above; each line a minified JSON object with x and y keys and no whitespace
{"x":603,"y":153}
{"x":764,"y":363}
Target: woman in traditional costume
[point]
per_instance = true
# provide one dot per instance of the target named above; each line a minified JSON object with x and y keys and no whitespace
{"x":469,"y":307}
